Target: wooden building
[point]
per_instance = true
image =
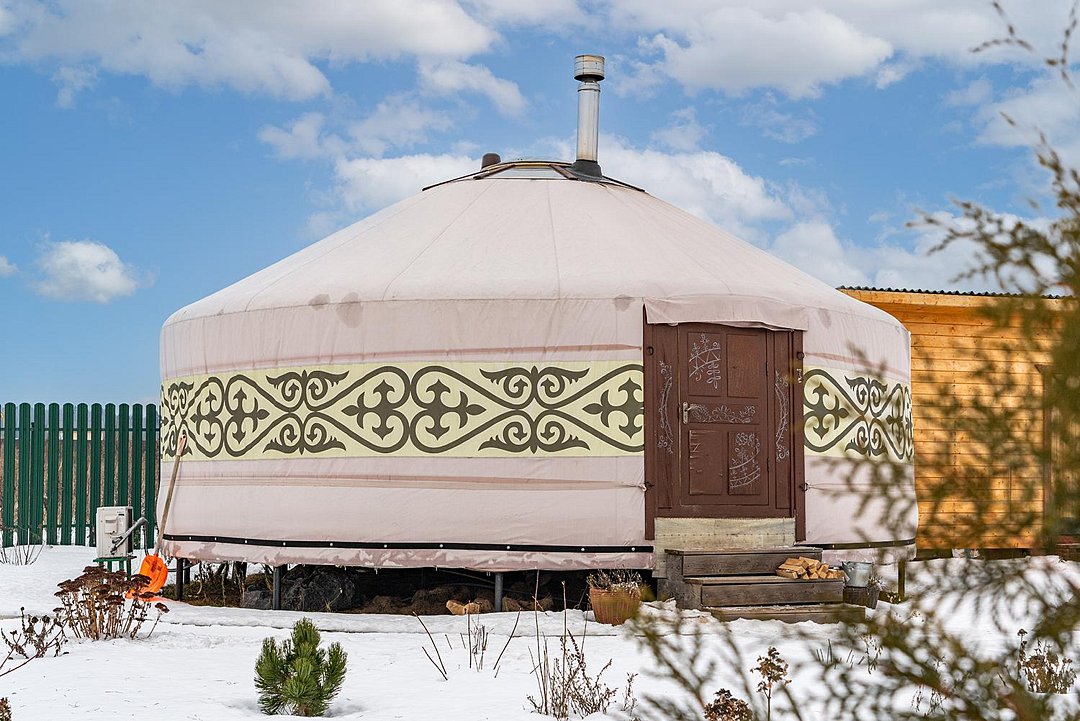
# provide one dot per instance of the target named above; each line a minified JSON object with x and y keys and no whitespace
{"x":959,"y":350}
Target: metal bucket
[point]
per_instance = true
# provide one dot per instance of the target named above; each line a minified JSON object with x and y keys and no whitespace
{"x":857,"y":573}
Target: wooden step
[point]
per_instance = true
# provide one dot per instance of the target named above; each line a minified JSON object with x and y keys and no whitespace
{"x":710,"y":591}
{"x":735,"y":561}
{"x":818,"y":613}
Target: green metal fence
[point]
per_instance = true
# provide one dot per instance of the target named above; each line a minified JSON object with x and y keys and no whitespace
{"x":60,"y":462}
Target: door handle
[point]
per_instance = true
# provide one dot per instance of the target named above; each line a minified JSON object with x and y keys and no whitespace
{"x":685,"y":413}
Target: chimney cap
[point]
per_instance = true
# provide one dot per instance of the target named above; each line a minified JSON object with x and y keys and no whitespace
{"x":490,"y":159}
{"x":589,"y":67}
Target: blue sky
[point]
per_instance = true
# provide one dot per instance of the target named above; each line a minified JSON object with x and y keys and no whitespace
{"x":154,"y":152}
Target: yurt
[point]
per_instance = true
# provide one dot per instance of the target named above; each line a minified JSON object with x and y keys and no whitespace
{"x":535,"y":366}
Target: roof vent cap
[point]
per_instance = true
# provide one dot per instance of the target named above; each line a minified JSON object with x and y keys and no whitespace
{"x":490,"y":159}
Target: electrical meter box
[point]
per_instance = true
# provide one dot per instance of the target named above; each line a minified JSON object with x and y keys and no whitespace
{"x":112,"y":522}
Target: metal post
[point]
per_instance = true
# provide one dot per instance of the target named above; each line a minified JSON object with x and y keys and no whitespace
{"x":275,"y":602}
{"x":498,"y":592}
{"x":181,"y":571}
{"x":901,"y":581}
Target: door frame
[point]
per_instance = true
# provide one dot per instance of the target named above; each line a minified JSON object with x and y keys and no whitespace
{"x":663,"y":432}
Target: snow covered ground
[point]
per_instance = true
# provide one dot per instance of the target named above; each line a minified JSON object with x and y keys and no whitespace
{"x":199,"y":662}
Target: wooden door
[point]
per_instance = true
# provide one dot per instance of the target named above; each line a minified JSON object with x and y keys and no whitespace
{"x":722,"y":433}
{"x":724,"y":417}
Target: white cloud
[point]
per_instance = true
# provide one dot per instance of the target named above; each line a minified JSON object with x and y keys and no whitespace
{"x":737,"y":47}
{"x":766,"y":116}
{"x":977,"y":92}
{"x":451,"y":77}
{"x":892,"y":73}
{"x":799,"y":46}
{"x":280,"y":48}
{"x":84,"y":270}
{"x":373,"y":183}
{"x":247,"y":45}
{"x":70,"y":81}
{"x":302,"y":139}
{"x":702,"y":182}
{"x":550,"y":13}
{"x":684,"y":132}
{"x":813,"y":246}
{"x":1046,"y":106}
{"x":7,"y":21}
{"x":6,"y":267}
{"x":397,"y":122}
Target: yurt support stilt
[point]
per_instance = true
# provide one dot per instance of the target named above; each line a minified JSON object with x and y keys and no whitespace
{"x":181,"y":572}
{"x":498,"y":592}
{"x":275,"y":602}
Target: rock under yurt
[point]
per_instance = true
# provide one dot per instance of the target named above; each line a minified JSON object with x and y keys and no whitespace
{"x":533,"y":366}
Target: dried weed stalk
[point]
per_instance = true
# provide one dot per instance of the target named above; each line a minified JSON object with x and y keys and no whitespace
{"x":474,"y":641}
{"x":36,"y":637}
{"x":565,"y":686}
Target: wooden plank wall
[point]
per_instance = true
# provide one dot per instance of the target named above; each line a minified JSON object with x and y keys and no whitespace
{"x":59,"y":463}
{"x":951,"y":339}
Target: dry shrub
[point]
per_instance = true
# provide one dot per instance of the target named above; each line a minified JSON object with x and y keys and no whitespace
{"x":727,"y":707}
{"x":102,"y":605}
{"x":22,"y":555}
{"x":36,"y":637}
{"x":565,"y":686}
{"x":5,"y":710}
{"x":615,"y":580}
{"x":1045,"y":670}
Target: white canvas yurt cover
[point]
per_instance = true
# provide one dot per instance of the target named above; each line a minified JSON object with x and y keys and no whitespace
{"x":529,"y":367}
{"x":457,"y":381}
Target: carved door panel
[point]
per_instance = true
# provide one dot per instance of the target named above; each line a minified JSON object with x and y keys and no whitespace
{"x":723,"y":438}
{"x":724,"y":407}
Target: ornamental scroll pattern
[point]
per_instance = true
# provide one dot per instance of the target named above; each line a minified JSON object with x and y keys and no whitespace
{"x":698,"y":413}
{"x":462,"y":409}
{"x":858,"y":416}
{"x":781,"y":387}
{"x":706,"y":361}
{"x":666,"y":439}
{"x":743,"y":467}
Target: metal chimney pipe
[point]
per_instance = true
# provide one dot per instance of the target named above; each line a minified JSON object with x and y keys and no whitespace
{"x":589,"y":70}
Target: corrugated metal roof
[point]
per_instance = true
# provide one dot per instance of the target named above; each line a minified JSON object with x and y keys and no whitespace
{"x":981,"y":294}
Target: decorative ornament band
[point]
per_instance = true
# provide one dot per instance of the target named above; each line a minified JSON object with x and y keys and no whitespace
{"x":858,"y":416}
{"x":588,"y":408}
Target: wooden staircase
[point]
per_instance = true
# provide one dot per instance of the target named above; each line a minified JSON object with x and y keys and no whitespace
{"x":742,"y":583}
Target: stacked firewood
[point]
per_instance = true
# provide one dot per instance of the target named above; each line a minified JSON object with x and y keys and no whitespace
{"x":807,"y":569}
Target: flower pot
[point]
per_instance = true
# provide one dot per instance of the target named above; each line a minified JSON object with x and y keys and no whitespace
{"x":614,"y":606}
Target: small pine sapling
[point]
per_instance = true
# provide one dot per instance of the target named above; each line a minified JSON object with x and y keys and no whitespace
{"x":298,"y":677}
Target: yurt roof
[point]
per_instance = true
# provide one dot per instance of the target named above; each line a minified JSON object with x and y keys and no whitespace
{"x":527,"y":230}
